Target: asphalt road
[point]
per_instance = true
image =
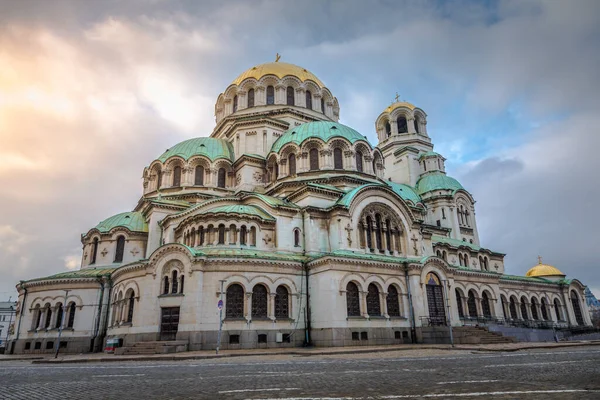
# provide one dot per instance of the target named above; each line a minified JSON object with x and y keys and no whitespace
{"x":542,"y":374}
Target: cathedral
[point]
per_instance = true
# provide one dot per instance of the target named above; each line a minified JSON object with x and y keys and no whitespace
{"x":287,"y":228}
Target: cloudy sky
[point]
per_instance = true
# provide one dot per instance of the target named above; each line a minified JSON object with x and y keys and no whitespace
{"x":93,"y":91}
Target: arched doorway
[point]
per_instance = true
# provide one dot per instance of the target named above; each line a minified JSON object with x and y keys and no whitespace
{"x":485,"y":305}
{"x":576,"y":308}
{"x":472,"y":304}
{"x":435,"y":299}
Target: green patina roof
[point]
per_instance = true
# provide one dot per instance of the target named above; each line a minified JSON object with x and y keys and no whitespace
{"x":323,"y":130}
{"x":327,"y":187}
{"x":430,"y":154}
{"x":437,"y":181}
{"x":453,"y":242}
{"x":82,"y":273}
{"x":248,"y":253}
{"x":346,"y":199}
{"x":524,"y":278}
{"x":404,"y":191}
{"x":134,"y":221}
{"x":274,"y":201}
{"x":368,"y":256}
{"x":240,"y":209}
{"x":212,"y":148}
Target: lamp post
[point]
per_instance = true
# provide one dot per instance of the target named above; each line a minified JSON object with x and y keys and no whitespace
{"x":220,"y":317}
{"x":447,"y":287}
{"x":62,"y":322}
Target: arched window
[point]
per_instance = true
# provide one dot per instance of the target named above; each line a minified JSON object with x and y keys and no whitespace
{"x":393,"y":302}
{"x":234,"y":302}
{"x":296,"y":237}
{"x":259,"y":301}
{"x":177,"y":176}
{"x":338,"y":161}
{"x":250,"y":98}
{"x":388,"y":235}
{"x":524,"y":308}
{"x":373,"y":303}
{"x":534,"y":313}
{"x":158,"y":179}
{"x":174,"y":282}
{"x":557,"y":310}
{"x":94,"y":251}
{"x":352,"y":300}
{"x":221,"y":178}
{"x":201,"y":230}
{"x":309,"y":100}
{"x":313,"y":156}
{"x":243,"y":235}
{"x":37,"y":316}
{"x":292,"y":164}
{"x":472,"y":305}
{"x":221,"y":234}
{"x":48,"y":316}
{"x":459,"y":305}
{"x":435,"y":299}
{"x":504,"y":306}
{"x":270,"y":95}
{"x":253,"y":236}
{"x":120,"y":249}
{"x":235,"y":103}
{"x":282,"y":302}
{"x":544,"y":308}
{"x":378,"y":232}
{"x":368,"y":228}
{"x":290,"y":96}
{"x":199,"y":175}
{"x":59,"y":315}
{"x":576,"y":308}
{"x":71,"y":320}
{"x":417,"y":123}
{"x":359,"y":161}
{"x":322,"y":105}
{"x":166,"y":285}
{"x":513,"y":308}
{"x":130,"y":307}
{"x":402,"y":125}
{"x":388,"y":129}
{"x":485,"y":305}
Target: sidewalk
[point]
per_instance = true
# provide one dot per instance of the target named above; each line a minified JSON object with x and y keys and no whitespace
{"x":307,"y":352}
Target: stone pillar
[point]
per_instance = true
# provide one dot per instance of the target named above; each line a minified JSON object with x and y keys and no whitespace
{"x":350,"y":160}
{"x":272,"y":306}
{"x":368,"y":165}
{"x":249,"y":306}
{"x":384,"y":242}
{"x":410,"y":123}
{"x":394,"y":127}
{"x":383,"y":303}
{"x":363,"y":303}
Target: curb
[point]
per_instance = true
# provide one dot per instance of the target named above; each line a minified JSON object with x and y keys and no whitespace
{"x":297,"y":353}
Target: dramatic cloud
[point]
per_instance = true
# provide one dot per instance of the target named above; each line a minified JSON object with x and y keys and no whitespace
{"x":91,"y":92}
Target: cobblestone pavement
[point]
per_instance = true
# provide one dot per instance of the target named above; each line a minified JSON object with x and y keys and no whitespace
{"x":571,"y":373}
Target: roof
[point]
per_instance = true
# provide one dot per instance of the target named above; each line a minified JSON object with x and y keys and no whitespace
{"x":404,"y":191}
{"x":211,"y":148}
{"x":273,"y":201}
{"x":544,"y":270}
{"x":134,"y":221}
{"x":279,"y":69}
{"x":346,"y":199}
{"x":368,"y":256}
{"x":248,"y":253}
{"x":430,"y":154}
{"x":524,"y":278}
{"x":437,"y":181}
{"x":399,"y":104}
{"x":453,"y":242}
{"x":323,"y":130}
{"x":82,"y":273}
{"x":241,"y":210}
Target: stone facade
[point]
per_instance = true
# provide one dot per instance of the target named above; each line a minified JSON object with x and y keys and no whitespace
{"x":307,"y":233}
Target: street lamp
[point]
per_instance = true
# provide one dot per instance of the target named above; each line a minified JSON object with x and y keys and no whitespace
{"x":220,"y":316}
{"x":62,"y":322}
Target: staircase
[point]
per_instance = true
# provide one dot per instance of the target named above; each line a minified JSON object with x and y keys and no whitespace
{"x":479,"y":335}
{"x":147,"y":348}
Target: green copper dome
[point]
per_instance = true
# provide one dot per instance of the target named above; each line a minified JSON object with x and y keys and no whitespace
{"x":134,"y":221}
{"x":211,"y":148}
{"x":437,"y":181}
{"x":405,"y":192}
{"x":323,"y":130}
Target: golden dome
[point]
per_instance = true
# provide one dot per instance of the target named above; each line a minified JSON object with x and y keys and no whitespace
{"x":544,"y":270}
{"x":398,"y":104}
{"x":279,"y":69}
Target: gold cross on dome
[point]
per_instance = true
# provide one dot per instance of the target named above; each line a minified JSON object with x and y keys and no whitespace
{"x":397,"y":97}
{"x":277,"y":57}
{"x":540,"y":259}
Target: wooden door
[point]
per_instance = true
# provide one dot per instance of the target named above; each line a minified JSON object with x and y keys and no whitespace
{"x":169,"y":323}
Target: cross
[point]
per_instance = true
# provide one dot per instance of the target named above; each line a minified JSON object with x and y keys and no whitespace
{"x":277,"y":57}
{"x":397,"y":97}
{"x":134,"y":252}
{"x":540,"y":259}
{"x":104,"y":252}
{"x":349,"y":230}
{"x":415,"y":240}
{"x":85,"y":256}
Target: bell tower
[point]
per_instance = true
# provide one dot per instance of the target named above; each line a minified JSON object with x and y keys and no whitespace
{"x":402,"y":138}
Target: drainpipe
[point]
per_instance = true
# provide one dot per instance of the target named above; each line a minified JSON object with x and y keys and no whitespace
{"x":413,"y":331}
{"x":307,"y":325}
{"x":14,"y":341}
{"x":101,"y":322}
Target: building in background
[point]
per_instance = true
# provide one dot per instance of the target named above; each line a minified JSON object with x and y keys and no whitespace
{"x":309,"y":233}
{"x":7,"y":318}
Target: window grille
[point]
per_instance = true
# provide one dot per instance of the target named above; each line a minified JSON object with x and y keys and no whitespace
{"x":373,"y":303}
{"x":459,"y":305}
{"x":282,"y":302}
{"x":313,"y":156}
{"x":485,"y":305}
{"x":177,"y":176}
{"x":472,"y":305}
{"x":259,"y":302}
{"x":221,"y":178}
{"x":359,"y":161}
{"x":338,"y":162}
{"x":292,"y":164}
{"x":402,"y":125}
{"x":290,"y":96}
{"x":250,"y":98}
{"x":234,"y":339}
{"x":352,"y":300}
{"x":120,"y":249}
{"x":393,"y":302}
{"x":262,"y":338}
{"x":309,"y":100}
{"x":199,"y":175}
{"x":270,"y":95}
{"x":234,"y":307}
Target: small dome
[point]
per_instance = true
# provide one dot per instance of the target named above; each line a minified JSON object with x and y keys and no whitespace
{"x":212,"y":148}
{"x":279,"y":69}
{"x":399,"y":104}
{"x":437,"y":181}
{"x":134,"y":221}
{"x":323,"y":130}
{"x":544,"y":270}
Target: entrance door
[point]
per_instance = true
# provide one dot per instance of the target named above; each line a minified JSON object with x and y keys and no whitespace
{"x":169,"y":323}
{"x":435,"y":300}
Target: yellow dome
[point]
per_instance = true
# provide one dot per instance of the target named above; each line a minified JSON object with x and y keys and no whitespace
{"x":544,"y":270}
{"x":279,"y":69}
{"x":398,"y":104}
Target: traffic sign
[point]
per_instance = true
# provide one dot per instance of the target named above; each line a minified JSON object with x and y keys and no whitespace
{"x":220,"y":305}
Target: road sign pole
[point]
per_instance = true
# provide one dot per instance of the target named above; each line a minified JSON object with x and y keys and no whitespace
{"x":220,"y":305}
